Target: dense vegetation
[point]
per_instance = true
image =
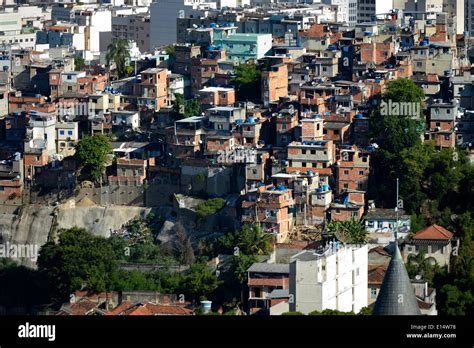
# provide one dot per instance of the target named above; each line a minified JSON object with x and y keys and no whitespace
{"x":92,"y":154}
{"x":185,"y":108}
{"x":247,"y":82}
{"x":436,"y":186}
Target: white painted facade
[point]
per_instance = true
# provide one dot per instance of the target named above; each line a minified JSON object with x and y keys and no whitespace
{"x":335,"y":279}
{"x":163,"y":19}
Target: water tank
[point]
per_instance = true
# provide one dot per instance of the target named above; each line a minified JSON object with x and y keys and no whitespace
{"x":325,"y":187}
{"x":282,"y":188}
{"x":206,"y":306}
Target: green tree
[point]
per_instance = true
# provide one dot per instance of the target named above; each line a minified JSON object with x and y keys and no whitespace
{"x":365,"y":311}
{"x":247,"y":82}
{"x":201,"y":281}
{"x":78,"y":259}
{"x":118,"y":52}
{"x":209,"y":207}
{"x":79,"y":63}
{"x":248,"y":240}
{"x":395,"y":132}
{"x":92,"y":154}
{"x":456,"y":301}
{"x":185,"y":108}
{"x":349,"y":231}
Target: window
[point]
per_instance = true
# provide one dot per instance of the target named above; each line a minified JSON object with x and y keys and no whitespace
{"x":338,"y":211}
{"x":303,"y":152}
{"x":61,"y":132}
{"x":303,"y":164}
{"x":379,"y":224}
{"x":69,"y":132}
{"x":69,"y":77}
{"x":346,"y":171}
{"x":373,"y":293}
{"x":346,"y":185}
{"x":256,"y":292}
{"x":361,"y":172}
{"x":313,"y":152}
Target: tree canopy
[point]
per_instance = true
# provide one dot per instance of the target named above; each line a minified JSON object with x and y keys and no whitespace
{"x":78,"y":259}
{"x":185,"y":108}
{"x":348,"y":231}
{"x":247,"y":82}
{"x":118,"y":52}
{"x":92,"y":154}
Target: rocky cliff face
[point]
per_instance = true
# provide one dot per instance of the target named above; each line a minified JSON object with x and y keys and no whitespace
{"x":34,"y":224}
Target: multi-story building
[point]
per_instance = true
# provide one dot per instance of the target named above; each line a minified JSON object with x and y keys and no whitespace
{"x":352,"y":170}
{"x":442,"y":123}
{"x":217,"y":96}
{"x":270,"y":207}
{"x":134,"y":27}
{"x":243,"y":47}
{"x":274,"y":83}
{"x":317,"y":156}
{"x":334,"y":277}
{"x":367,"y":10}
{"x":153,"y":87}
{"x":67,"y":137}
{"x":346,"y":11}
{"x":163,"y":19}
{"x":11,"y":179}
{"x":435,"y":241}
{"x":263,"y":278}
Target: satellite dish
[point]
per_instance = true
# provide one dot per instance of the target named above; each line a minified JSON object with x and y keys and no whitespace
{"x":418,"y":277}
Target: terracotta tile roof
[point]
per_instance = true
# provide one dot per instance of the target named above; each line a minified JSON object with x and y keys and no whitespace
{"x":82,"y":307}
{"x":379,"y":250}
{"x":168,"y":309}
{"x":267,"y":282}
{"x":140,"y":310}
{"x":433,"y":232}
{"x":376,"y":274}
{"x":120,"y":308}
{"x":423,"y":304}
{"x":127,"y":308}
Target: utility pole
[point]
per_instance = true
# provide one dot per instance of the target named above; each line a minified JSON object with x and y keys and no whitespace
{"x":396,"y":210}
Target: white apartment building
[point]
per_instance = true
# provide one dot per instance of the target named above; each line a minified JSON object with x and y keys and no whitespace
{"x":96,"y":22}
{"x":346,"y":10}
{"x":163,"y":19}
{"x":423,"y":6}
{"x":335,"y":278}
{"x":455,"y":10}
{"x":41,"y":132}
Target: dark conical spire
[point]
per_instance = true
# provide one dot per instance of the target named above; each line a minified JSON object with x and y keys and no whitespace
{"x":397,"y":295}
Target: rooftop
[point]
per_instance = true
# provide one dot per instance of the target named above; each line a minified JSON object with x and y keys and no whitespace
{"x":434,"y":232}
